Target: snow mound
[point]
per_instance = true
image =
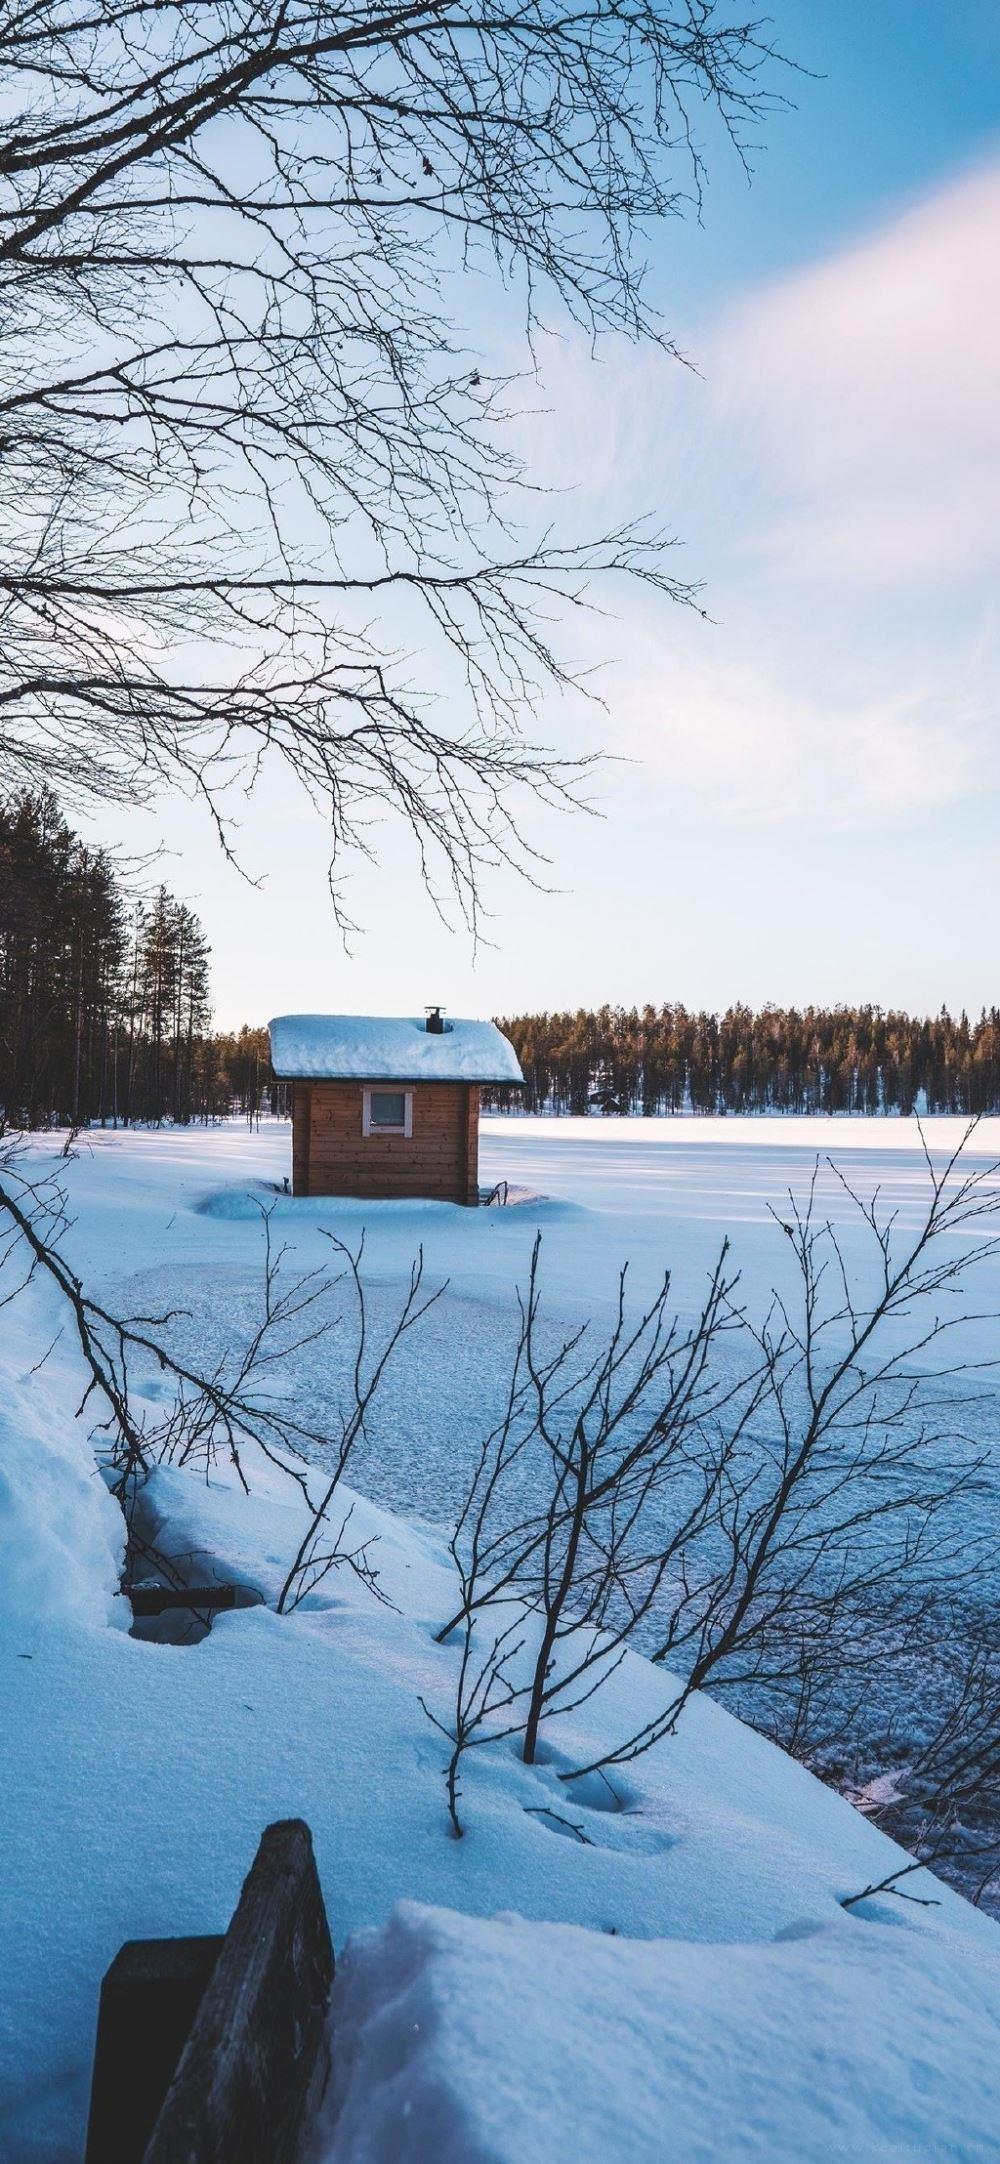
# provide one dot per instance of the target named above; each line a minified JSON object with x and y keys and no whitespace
{"x":239,"y":1205}
{"x":61,"y":1534}
{"x":509,"y":1196}
{"x":244,"y":1205}
{"x":503,"y":2041}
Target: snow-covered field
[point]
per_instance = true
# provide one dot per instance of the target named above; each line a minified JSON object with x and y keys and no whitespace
{"x":681,"y":1981}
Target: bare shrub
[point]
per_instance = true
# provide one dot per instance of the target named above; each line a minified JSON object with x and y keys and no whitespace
{"x":769,"y":1507}
{"x":215,"y":1413}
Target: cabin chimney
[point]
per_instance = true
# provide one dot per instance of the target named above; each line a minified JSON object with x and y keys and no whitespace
{"x":435,"y":1021}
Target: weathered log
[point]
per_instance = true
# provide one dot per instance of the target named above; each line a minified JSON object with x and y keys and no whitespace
{"x":256,"y":2050}
{"x":156,"y":1599}
{"x":149,"y":1999}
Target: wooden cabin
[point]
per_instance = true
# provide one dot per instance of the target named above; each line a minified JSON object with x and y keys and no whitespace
{"x":388,"y":1106}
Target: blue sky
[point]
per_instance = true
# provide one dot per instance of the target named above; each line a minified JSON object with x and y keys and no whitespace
{"x":807,"y":804}
{"x":901,"y":95}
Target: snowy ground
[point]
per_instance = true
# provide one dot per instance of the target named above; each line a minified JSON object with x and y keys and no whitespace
{"x":682,"y":1980}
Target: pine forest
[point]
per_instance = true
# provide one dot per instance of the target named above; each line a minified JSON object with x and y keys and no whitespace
{"x":104,"y":991}
{"x":780,"y":1059}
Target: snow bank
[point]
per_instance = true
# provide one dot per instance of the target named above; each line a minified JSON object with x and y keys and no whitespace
{"x":61,"y":1535}
{"x":397,"y":1048}
{"x":160,"y":1765}
{"x":247,"y":1205}
{"x":506,"y":2042}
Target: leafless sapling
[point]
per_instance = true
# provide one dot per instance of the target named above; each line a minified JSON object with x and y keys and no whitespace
{"x":215,"y":1412}
{"x":765,"y":1506}
{"x":847,"y":1482}
{"x":554,"y":1550}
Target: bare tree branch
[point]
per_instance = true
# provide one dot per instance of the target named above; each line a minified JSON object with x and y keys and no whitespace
{"x":258,"y":497}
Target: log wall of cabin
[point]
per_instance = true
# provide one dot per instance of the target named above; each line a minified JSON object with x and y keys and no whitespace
{"x":331,"y":1155}
{"x":472,"y":1143}
{"x":300,"y":1138}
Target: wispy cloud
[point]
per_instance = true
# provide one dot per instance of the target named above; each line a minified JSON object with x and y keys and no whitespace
{"x":866,"y":390}
{"x":835,"y":468}
{"x":767,"y":735}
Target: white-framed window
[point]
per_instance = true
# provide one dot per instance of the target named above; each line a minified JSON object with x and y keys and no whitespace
{"x":387,"y":1112}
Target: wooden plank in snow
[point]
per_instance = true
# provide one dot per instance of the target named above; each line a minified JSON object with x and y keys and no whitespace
{"x":256,"y":2049}
{"x":157,"y":1599}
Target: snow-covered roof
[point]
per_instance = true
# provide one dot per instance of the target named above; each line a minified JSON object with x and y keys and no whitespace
{"x":391,"y":1047}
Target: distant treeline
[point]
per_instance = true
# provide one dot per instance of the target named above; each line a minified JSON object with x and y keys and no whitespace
{"x":780,"y":1059}
{"x":105,"y":1015}
{"x":104,"y":995}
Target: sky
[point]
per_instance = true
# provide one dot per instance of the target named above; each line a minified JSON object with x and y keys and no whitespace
{"x":804,"y":803}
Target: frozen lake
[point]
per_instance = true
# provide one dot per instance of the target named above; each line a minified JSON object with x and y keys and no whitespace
{"x":717,"y":1171}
